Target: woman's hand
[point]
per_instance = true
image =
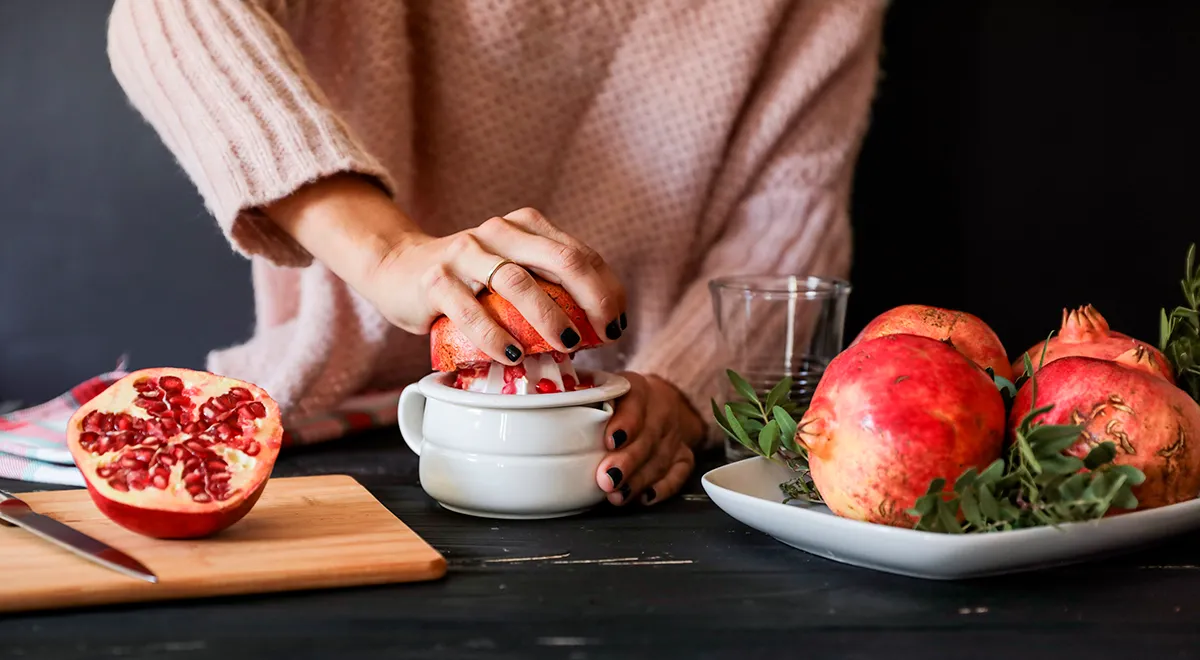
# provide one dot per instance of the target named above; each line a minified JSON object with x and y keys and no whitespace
{"x":412,"y":278}
{"x":652,"y":434}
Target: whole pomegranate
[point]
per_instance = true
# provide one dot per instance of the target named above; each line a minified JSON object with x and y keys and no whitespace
{"x":966,"y":332}
{"x":451,"y":350}
{"x":1084,"y":332}
{"x":1154,"y":425}
{"x":889,"y":416}
{"x":176,"y":453}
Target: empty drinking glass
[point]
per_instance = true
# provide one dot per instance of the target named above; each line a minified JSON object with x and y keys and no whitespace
{"x":772,"y":326}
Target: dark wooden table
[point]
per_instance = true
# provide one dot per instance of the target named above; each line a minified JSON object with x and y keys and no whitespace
{"x":678,"y":580}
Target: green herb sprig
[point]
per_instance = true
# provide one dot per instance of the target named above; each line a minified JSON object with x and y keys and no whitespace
{"x":1179,"y":331}
{"x":1037,"y":485}
{"x":768,"y":428}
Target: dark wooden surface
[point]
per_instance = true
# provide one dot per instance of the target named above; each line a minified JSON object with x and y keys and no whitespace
{"x":678,"y":580}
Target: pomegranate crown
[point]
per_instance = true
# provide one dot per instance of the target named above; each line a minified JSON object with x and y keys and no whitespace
{"x":1082,"y":324}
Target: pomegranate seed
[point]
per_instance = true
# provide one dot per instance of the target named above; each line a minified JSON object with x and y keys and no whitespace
{"x":207,"y":412}
{"x":92,"y":421}
{"x":185,"y":418}
{"x":191,"y":465}
{"x":546,"y":386}
{"x":124,"y":422}
{"x":194,"y":478}
{"x":252,"y":448}
{"x":129,"y":461}
{"x":153,"y":395}
{"x":202,"y":498}
{"x":171,"y":383}
{"x":117,"y":484}
{"x":155,"y":428}
{"x":509,"y":388}
{"x":106,"y":423}
{"x":137,"y":483}
{"x":88,"y":437}
{"x":139,"y":424}
{"x":216,"y":466}
{"x":159,"y":481}
{"x":223,"y":495}
{"x":219,"y":479}
{"x":194,"y":487}
{"x":179,"y":452}
{"x":193,"y":428}
{"x":568,"y":383}
{"x":220,"y":404}
{"x":241,"y":394}
{"x":226,"y":431}
{"x":144,"y":384}
{"x":180,"y":401}
{"x":194,"y":444}
{"x":170,"y":427}
{"x":558,"y":357}
{"x":105,"y":472}
{"x":104,"y":445}
{"x":166,"y":459}
{"x":257,"y":409}
{"x":144,"y":455}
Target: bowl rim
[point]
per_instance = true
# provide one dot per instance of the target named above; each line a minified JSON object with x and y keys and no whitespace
{"x":608,"y":386}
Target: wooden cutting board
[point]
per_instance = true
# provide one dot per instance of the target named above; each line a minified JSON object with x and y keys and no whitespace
{"x":304,"y":533}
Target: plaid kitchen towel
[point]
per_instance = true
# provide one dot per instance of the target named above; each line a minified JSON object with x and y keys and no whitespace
{"x":33,"y":441}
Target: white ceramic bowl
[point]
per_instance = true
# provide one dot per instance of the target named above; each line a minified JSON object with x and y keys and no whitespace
{"x":509,"y":456}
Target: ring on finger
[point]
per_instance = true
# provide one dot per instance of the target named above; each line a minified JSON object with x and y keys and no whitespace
{"x":502,"y":263}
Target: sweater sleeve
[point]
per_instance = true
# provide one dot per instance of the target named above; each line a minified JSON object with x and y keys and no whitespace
{"x":226,"y":90}
{"x":790,"y":165}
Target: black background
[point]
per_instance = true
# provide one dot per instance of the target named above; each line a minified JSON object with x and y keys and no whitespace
{"x":1025,"y":156}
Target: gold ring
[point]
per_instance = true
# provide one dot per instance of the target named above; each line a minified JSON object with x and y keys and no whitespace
{"x":492,"y":274}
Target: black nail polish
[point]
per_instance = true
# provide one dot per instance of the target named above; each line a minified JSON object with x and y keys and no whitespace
{"x":623,"y":322}
{"x":569,"y":337}
{"x":613,"y":330}
{"x":625,"y":492}
{"x":614,"y":473}
{"x":650,"y":494}
{"x":619,"y":438}
{"x":512,"y":353}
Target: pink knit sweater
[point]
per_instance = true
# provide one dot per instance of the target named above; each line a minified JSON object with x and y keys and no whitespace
{"x":681,"y":139}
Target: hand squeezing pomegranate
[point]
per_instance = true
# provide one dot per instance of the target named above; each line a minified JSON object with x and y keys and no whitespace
{"x":176,"y":453}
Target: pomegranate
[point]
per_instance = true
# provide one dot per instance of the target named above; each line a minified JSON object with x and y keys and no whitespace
{"x":1154,"y":425}
{"x":451,"y":350}
{"x":1085,"y":332}
{"x":966,"y":332}
{"x":890,"y":415}
{"x":176,"y":453}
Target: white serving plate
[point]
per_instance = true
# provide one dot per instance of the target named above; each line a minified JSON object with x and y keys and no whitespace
{"x":749,"y":491}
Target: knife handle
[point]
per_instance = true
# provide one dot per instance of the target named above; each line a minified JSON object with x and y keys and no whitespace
{"x":5,"y":496}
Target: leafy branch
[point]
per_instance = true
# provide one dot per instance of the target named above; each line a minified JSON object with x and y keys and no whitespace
{"x":767,"y":427}
{"x":1179,"y":331}
{"x":1036,"y":485}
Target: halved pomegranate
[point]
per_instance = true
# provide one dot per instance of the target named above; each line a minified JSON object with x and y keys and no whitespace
{"x":176,"y":453}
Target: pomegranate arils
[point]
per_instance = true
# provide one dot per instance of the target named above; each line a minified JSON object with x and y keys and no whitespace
{"x":252,"y":448}
{"x":118,"y":484}
{"x":257,"y":409}
{"x":546,"y":386}
{"x":171,"y":383}
{"x":160,"y":480}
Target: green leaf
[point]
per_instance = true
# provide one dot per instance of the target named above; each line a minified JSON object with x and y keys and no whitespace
{"x":1060,"y":464}
{"x":768,"y":439}
{"x":1005,"y":385}
{"x":1133,"y":476}
{"x":993,"y":472}
{"x":787,"y":425}
{"x":1101,"y":454}
{"x":970,"y":507}
{"x":745,"y":410}
{"x":739,"y":432}
{"x":778,"y":392}
{"x":967,"y":478}
{"x":987,"y":503}
{"x":753,"y":426}
{"x":946,"y":515}
{"x":1072,"y":487}
{"x":743,"y":388}
{"x":1049,"y":440}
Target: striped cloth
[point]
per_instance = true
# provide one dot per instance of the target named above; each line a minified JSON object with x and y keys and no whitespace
{"x":33,"y":441}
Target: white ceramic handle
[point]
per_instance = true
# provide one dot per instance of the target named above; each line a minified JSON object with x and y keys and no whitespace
{"x":411,"y":413}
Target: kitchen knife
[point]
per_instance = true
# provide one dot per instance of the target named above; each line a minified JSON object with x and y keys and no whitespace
{"x":17,"y":512}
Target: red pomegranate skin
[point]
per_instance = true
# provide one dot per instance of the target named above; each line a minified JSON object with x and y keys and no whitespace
{"x":1085,"y":332}
{"x":450,"y":349}
{"x":889,"y":416}
{"x":964,"y":331}
{"x":1154,"y":425}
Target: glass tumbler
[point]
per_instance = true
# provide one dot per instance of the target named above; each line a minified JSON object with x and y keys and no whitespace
{"x":772,"y":326}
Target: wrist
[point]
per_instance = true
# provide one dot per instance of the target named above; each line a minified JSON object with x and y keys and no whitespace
{"x":347,"y":222}
{"x":691,"y":425}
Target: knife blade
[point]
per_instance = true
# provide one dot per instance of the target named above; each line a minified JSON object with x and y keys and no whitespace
{"x":15,"y":511}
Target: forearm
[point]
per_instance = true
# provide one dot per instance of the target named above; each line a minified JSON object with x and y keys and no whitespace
{"x":346,"y":222}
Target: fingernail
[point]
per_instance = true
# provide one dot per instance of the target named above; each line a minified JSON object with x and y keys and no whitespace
{"x":614,"y":473}
{"x":650,"y":494}
{"x":512,"y":353}
{"x":619,"y":438}
{"x":623,"y":322}
{"x":613,"y":330}
{"x":625,"y":492}
{"x":569,"y":337}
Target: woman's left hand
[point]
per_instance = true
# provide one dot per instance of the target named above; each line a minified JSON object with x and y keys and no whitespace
{"x":651,"y":436}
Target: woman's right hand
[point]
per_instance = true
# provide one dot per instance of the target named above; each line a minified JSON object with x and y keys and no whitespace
{"x":412,"y":278}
